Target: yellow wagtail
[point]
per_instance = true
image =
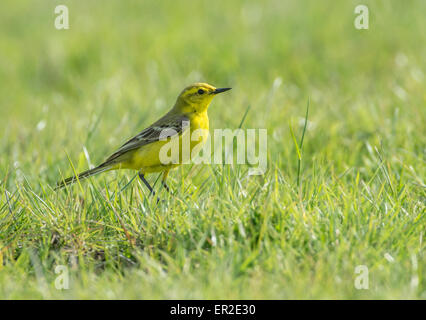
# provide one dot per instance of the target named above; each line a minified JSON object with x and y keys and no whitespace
{"x":142,"y":152}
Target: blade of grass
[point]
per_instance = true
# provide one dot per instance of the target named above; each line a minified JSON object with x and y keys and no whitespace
{"x":300,"y":145}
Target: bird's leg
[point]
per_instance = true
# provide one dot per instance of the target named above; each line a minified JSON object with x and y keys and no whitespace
{"x":163,"y":181}
{"x":142,"y":177}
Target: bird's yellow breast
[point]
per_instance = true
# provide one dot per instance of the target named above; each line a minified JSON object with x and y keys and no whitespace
{"x":199,"y":121}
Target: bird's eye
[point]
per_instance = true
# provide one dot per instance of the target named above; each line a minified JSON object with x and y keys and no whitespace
{"x":201,"y":91}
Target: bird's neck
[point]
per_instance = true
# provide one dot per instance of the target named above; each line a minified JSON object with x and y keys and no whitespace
{"x":181,"y":106}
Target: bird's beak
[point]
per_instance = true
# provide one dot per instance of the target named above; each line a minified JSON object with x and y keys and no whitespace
{"x":219,"y":90}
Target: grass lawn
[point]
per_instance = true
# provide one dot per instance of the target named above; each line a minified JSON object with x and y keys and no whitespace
{"x":355,"y":209}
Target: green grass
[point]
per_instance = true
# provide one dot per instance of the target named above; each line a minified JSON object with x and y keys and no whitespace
{"x":358,"y":197}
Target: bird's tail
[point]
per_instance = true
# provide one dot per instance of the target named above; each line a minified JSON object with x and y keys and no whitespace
{"x":83,"y":175}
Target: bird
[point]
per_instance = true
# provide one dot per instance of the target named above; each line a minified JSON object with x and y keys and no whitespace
{"x":142,"y":152}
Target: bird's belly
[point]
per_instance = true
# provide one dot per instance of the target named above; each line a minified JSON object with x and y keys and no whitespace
{"x":147,"y":156}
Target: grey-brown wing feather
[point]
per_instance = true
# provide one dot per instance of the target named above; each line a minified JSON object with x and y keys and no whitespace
{"x":167,"y":126}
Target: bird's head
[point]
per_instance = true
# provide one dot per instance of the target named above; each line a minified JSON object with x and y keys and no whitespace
{"x":197,"y":97}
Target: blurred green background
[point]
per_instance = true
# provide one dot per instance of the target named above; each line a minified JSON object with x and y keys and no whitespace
{"x":121,"y":65}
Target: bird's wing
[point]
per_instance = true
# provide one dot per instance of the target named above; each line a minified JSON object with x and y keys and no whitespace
{"x":167,"y":126}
